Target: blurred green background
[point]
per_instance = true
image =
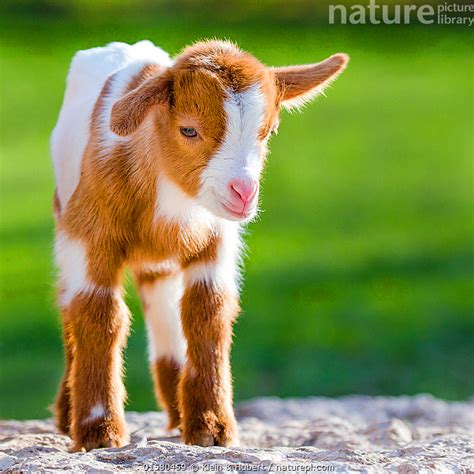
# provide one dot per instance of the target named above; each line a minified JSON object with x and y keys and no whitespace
{"x":359,"y":276}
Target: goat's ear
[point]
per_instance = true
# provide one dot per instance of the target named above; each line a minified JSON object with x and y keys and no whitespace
{"x":129,"y":111}
{"x":299,"y":84}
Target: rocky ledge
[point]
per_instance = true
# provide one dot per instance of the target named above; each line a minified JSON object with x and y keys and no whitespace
{"x":355,"y":433}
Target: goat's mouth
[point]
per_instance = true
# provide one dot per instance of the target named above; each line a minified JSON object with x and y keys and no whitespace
{"x":224,"y":208}
{"x":243,"y":215}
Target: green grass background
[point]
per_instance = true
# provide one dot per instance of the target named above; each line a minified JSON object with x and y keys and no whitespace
{"x":359,"y":276}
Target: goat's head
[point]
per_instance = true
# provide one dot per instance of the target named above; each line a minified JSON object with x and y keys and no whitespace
{"x":212,"y":113}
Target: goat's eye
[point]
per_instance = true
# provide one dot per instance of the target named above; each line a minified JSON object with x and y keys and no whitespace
{"x":189,"y":132}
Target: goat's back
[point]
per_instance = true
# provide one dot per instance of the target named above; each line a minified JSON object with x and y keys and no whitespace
{"x":87,"y":75}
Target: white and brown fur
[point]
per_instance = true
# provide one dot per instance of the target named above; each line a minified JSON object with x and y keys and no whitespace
{"x":133,"y":191}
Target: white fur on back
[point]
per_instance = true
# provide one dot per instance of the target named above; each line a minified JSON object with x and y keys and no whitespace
{"x":87,"y":75}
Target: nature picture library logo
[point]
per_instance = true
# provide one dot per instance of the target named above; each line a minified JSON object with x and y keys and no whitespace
{"x":397,"y":14}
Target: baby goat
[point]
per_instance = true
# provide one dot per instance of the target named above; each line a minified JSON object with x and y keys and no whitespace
{"x":157,"y":166}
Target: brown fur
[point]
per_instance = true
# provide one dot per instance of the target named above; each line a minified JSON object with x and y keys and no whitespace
{"x":62,"y":408}
{"x":112,"y":214}
{"x":143,"y":277}
{"x":56,"y":205}
{"x":295,"y":81}
{"x":166,"y":374}
{"x":96,"y":326}
{"x":205,"y":392}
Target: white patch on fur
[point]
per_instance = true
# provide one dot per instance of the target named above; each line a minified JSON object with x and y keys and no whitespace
{"x":224,"y":272}
{"x":175,"y":205}
{"x":161,"y":301}
{"x":240,"y":155}
{"x":97,"y":412}
{"x":70,"y":257}
{"x":159,"y":267}
{"x":87,"y":75}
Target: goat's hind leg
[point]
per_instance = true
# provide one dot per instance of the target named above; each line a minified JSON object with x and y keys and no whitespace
{"x":62,"y":405}
{"x":161,"y":294}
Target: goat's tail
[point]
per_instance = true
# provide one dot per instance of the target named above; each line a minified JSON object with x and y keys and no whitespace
{"x":56,"y":205}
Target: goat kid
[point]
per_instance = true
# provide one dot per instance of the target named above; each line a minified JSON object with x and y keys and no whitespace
{"x":157,"y":166}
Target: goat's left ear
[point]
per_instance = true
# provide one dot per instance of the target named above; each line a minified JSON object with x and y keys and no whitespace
{"x":129,"y":111}
{"x":300,"y":84}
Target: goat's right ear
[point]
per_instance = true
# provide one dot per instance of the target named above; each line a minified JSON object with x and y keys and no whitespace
{"x":300,"y":84}
{"x":129,"y":111}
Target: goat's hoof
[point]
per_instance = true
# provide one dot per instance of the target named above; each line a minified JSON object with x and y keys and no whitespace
{"x":103,"y":434}
{"x":220,"y":433}
{"x":173,"y":423}
{"x":200,"y":438}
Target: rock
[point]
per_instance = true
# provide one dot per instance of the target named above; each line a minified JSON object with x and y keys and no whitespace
{"x":355,"y":433}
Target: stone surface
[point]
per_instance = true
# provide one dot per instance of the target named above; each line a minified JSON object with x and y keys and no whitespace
{"x":356,"y":433}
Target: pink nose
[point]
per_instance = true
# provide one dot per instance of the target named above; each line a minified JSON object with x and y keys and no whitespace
{"x":243,"y":190}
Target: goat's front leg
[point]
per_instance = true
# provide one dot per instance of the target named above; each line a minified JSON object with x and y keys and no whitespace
{"x":99,"y":323}
{"x":96,"y":322}
{"x":208,"y":308}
